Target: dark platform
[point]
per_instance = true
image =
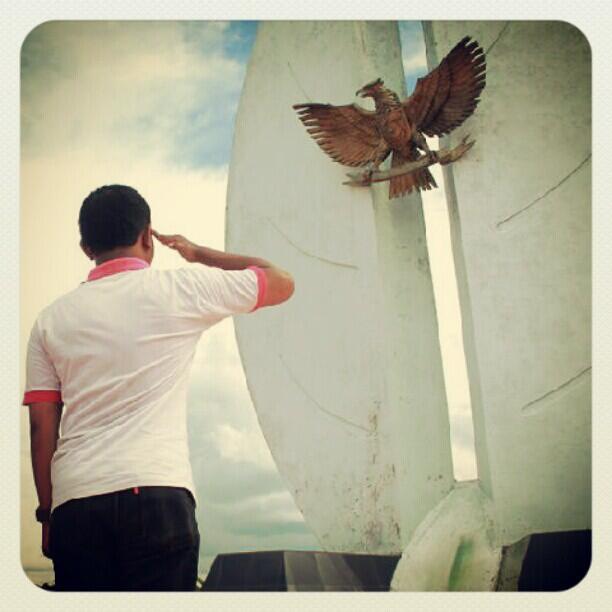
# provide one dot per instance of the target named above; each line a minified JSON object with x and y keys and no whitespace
{"x":556,"y":561}
{"x":552,"y":562}
{"x":300,"y":571}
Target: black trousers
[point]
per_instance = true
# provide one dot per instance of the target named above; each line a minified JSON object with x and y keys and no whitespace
{"x":143,"y":539}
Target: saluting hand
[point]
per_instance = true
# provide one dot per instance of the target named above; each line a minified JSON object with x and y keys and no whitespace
{"x":186,"y":249}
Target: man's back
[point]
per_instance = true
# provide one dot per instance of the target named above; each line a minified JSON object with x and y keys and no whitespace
{"x":122,"y":345}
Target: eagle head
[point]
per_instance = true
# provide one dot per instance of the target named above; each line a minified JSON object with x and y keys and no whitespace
{"x":370,"y":89}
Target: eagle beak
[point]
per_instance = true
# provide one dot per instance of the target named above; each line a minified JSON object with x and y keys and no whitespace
{"x":360,"y":92}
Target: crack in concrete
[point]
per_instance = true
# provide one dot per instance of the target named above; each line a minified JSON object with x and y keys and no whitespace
{"x":529,"y":406}
{"x":545,"y":194}
{"x":314,"y":401}
{"x":501,"y":33}
{"x":297,"y":82}
{"x":312,"y":255}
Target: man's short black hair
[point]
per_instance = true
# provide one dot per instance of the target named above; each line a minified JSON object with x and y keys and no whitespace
{"x":112,"y":216}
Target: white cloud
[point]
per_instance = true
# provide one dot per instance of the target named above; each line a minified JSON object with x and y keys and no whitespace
{"x":416,"y":62}
{"x":136,"y":86}
{"x":275,"y":506}
{"x":240,"y":446}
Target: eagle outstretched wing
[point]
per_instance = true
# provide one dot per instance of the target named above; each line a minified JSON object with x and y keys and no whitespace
{"x":348,"y":134}
{"x":448,"y":95}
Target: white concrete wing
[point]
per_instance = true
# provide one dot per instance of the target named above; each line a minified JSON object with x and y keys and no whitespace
{"x":521,"y":229}
{"x":346,"y":377}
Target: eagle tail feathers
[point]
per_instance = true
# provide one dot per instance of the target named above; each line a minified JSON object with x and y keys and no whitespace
{"x":404,"y":184}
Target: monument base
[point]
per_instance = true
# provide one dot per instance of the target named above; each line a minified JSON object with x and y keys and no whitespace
{"x":300,"y":571}
{"x":540,"y":562}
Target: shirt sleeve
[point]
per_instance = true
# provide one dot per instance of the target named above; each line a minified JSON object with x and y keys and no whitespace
{"x":42,"y":382}
{"x":214,"y":293}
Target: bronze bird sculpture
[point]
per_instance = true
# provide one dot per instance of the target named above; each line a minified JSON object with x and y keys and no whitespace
{"x":442,"y":100}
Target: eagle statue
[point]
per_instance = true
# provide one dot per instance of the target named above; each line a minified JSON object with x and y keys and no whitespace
{"x":442,"y":100}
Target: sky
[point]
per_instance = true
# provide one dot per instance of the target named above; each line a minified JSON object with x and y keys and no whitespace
{"x":152,"y":104}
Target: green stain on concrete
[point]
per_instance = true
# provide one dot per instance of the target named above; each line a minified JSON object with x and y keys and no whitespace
{"x":462,"y":555}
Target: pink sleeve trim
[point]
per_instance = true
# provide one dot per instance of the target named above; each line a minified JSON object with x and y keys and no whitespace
{"x":31,"y":397}
{"x":262,"y":286}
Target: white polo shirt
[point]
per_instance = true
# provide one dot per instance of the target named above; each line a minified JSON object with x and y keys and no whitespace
{"x":117,"y":351}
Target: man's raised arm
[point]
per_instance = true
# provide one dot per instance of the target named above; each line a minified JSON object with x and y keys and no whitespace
{"x":279,"y":283}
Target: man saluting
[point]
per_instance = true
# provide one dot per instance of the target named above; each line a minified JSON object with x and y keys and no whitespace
{"x":108,"y":364}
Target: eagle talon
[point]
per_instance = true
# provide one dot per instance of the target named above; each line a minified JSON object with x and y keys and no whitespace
{"x":368,"y":173}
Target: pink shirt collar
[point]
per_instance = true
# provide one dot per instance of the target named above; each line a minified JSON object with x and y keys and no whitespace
{"x":120,"y":264}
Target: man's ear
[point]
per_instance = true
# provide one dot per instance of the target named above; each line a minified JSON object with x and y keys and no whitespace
{"x":147,"y":237}
{"x":88,"y":252}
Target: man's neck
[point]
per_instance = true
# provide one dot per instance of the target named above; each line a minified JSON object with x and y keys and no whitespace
{"x":116,"y":253}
